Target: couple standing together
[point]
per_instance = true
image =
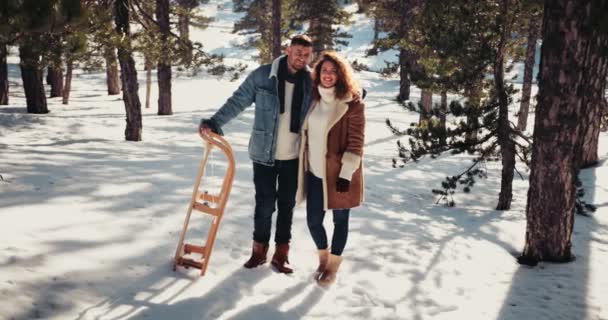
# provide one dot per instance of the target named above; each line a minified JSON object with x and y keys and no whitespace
{"x":306,"y":143}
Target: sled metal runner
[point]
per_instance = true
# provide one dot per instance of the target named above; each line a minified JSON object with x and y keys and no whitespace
{"x":205,"y":203}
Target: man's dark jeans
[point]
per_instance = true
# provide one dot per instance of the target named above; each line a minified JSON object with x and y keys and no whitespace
{"x":274,"y":184}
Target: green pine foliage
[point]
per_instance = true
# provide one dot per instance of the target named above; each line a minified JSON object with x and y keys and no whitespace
{"x":324,"y":18}
{"x":257,"y":25}
{"x":456,"y":44}
{"x":430,"y":139}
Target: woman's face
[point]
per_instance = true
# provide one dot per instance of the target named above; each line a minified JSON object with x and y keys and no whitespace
{"x":329,"y":74}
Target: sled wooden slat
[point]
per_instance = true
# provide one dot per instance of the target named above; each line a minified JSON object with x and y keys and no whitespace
{"x":190,"y":263}
{"x":200,"y":202}
{"x":205,"y":208}
{"x":208,"y":197}
{"x":188,"y":248}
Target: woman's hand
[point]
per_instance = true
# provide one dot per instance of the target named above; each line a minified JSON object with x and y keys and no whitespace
{"x":342,"y":185}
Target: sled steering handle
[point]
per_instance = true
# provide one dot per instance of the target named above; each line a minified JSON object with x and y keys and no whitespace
{"x":216,"y":140}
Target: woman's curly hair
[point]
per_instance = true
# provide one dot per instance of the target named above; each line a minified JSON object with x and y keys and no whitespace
{"x":345,"y":83}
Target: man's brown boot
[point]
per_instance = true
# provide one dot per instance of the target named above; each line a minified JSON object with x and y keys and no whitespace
{"x":323,"y":257}
{"x":258,"y":255}
{"x":280,"y":258}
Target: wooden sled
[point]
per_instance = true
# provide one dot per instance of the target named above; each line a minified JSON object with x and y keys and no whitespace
{"x":205,"y":203}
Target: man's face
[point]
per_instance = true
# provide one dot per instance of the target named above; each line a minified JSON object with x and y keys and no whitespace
{"x":298,"y":56}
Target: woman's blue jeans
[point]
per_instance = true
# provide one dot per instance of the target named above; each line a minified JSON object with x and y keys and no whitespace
{"x":315,"y":215}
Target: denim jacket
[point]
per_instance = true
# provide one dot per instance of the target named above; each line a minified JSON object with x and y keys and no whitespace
{"x":261,"y":88}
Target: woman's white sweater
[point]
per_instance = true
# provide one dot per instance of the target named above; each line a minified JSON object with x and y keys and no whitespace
{"x":318,"y":123}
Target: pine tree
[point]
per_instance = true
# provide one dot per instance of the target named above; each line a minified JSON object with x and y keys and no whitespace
{"x":591,"y":133}
{"x":570,"y":86}
{"x":397,"y":18}
{"x":130,"y":85}
{"x":324,"y":18}
{"x":3,"y":75}
{"x":261,"y":28}
{"x":164,"y":61}
{"x":104,"y":41}
{"x":53,"y":59}
{"x":31,"y":73}
{"x":35,"y":24}
{"x":8,"y":10}
{"x":534,"y":18}
{"x":75,"y":50}
{"x":457,"y":44}
{"x":186,"y":16}
{"x":276,"y":29}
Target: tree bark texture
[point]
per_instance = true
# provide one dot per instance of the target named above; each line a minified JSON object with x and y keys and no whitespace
{"x":68,"y":81}
{"x":404,"y":76}
{"x":407,"y":60}
{"x":31,"y":75}
{"x":3,"y":75}
{"x":426,"y":102}
{"x":148,"y":67}
{"x":55,"y":77}
{"x":164,"y":63}
{"x":183,"y":19}
{"x":507,"y":146}
{"x":128,"y":74}
{"x":522,"y":119}
{"x":572,"y":79}
{"x":474,"y":95}
{"x":443,"y":114}
{"x":591,"y":135}
{"x":112,"y":77}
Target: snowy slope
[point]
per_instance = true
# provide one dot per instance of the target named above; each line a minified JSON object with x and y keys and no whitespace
{"x":89,"y":222}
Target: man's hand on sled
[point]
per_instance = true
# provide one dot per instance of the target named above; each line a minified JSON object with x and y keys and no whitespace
{"x":207,"y":125}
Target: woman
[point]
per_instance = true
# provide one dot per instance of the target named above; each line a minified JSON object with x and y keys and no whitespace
{"x":330,"y":170}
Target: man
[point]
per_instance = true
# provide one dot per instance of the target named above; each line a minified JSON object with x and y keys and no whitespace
{"x":281,"y":93}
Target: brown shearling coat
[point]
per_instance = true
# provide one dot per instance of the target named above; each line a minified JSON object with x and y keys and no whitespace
{"x":345,"y":139}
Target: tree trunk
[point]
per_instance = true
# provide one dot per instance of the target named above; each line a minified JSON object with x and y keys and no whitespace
{"x":376,"y":28}
{"x":49,"y":75}
{"x":55,"y":77}
{"x":68,"y":81}
{"x":572,"y":78}
{"x":148,"y":67}
{"x":314,"y":30}
{"x":426,"y":103}
{"x":474,"y":95}
{"x":128,"y":74}
{"x":507,"y":145}
{"x":31,"y":74}
{"x":407,"y":60}
{"x":183,"y":25}
{"x":112,"y":79}
{"x":524,"y":108}
{"x":443,"y":115}
{"x":163,"y":74}
{"x":3,"y":75}
{"x":404,"y":79}
{"x":276,"y":28}
{"x":591,"y":135}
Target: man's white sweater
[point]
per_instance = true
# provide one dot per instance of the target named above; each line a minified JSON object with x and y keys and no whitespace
{"x":288,"y":143}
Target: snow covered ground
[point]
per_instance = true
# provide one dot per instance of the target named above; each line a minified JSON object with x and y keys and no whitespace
{"x":89,"y":222}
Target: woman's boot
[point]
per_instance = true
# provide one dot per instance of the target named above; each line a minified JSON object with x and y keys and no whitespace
{"x":329,"y":275}
{"x":323,"y":258}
